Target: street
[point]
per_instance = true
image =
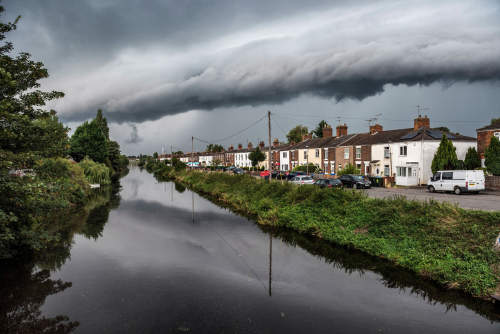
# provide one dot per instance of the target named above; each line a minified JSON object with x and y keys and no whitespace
{"x":488,"y":201}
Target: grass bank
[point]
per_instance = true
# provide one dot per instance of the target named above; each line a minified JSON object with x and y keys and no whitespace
{"x":436,"y":240}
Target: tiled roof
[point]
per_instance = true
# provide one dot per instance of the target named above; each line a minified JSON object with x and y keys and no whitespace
{"x":494,"y":126}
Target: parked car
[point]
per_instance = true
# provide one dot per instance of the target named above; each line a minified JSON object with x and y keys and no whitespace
{"x":238,"y":171}
{"x":302,"y":179}
{"x":457,"y":181}
{"x":355,"y":181}
{"x":328,"y":183}
{"x":291,"y":175}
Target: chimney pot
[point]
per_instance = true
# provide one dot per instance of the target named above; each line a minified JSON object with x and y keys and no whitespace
{"x":341,"y":130}
{"x":375,"y":128}
{"x":421,"y":122}
{"x":327,"y":131}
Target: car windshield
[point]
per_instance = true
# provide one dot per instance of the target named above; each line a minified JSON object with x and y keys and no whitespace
{"x":307,"y":178}
{"x":358,"y":177}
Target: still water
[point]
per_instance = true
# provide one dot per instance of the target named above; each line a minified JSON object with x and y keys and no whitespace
{"x":159,"y":259}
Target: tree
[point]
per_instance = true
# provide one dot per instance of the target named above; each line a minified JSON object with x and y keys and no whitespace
{"x":295,"y":134}
{"x":472,"y":160}
{"x":318,"y":132}
{"x":89,"y":140}
{"x":21,"y":103}
{"x":495,"y":121}
{"x":214,"y":148}
{"x":256,"y":156}
{"x":102,"y":123}
{"x":445,"y":157}
{"x":155,"y":155}
{"x":492,"y":156}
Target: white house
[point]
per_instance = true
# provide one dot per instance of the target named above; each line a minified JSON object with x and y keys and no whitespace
{"x":407,"y":154}
{"x":285,"y":161}
{"x":205,"y":159}
{"x":241,"y":159}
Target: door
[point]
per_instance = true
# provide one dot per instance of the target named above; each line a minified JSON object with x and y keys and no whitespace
{"x":447,"y":181}
{"x":436,"y":181}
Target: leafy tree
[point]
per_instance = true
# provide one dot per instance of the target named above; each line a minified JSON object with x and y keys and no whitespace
{"x":102,"y":123}
{"x":214,"y":148}
{"x":89,"y":140}
{"x":178,"y":152}
{"x":256,"y":156}
{"x":216,"y":162}
{"x":472,"y":160}
{"x":295,"y":134}
{"x":349,"y":169}
{"x":445,"y":157}
{"x":21,"y":103}
{"x":495,"y":121}
{"x":155,"y":155}
{"x":492,"y":156}
{"x":318,"y":132}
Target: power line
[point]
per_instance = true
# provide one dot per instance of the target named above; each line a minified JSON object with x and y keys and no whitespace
{"x":233,"y":135}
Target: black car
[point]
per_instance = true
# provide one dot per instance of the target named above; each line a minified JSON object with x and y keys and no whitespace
{"x":328,"y":183}
{"x":238,"y":171}
{"x":355,"y":181}
{"x":279,"y":175}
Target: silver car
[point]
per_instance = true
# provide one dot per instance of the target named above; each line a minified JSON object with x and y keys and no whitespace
{"x":302,"y":179}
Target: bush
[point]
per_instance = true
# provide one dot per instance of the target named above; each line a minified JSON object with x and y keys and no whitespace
{"x":349,"y":169}
{"x":492,"y":156}
{"x":312,"y":168}
{"x":53,"y":168}
{"x":95,"y":172}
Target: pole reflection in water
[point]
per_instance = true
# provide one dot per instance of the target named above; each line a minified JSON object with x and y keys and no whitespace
{"x":270,"y":261}
{"x":192,"y":204}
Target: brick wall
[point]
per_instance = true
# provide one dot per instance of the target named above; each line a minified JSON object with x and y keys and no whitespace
{"x":483,"y":141}
{"x":493,"y":182}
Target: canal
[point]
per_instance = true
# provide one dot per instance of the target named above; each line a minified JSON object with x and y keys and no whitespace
{"x":159,"y":258}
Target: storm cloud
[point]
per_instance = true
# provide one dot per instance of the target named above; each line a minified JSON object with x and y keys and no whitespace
{"x":332,"y":51}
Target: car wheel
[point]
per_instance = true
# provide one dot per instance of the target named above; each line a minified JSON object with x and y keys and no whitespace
{"x":432,"y":189}
{"x":457,"y":191}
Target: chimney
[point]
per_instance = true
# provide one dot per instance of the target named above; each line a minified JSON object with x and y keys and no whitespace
{"x":276,"y":142}
{"x":262,"y":145}
{"x":421,"y":122}
{"x":250,"y":145}
{"x":230,"y":148}
{"x":341,"y":130}
{"x":375,"y":128}
{"x":240,"y":146}
{"x":327,"y":131}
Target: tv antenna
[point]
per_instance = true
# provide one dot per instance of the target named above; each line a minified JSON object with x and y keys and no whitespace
{"x":420,"y":109}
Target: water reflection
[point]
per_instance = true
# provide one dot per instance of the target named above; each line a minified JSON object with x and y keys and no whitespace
{"x":26,"y":283}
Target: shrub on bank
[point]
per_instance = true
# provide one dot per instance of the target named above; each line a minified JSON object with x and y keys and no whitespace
{"x":436,"y":240}
{"x":95,"y":172}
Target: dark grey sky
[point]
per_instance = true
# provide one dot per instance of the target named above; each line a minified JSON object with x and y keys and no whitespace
{"x":166,"y":70}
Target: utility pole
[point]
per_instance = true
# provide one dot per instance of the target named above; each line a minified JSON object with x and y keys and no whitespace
{"x":171,"y":155}
{"x":269,"y":130}
{"x":192,"y":152}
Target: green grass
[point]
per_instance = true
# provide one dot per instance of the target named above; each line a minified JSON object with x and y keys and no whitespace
{"x":436,"y":240}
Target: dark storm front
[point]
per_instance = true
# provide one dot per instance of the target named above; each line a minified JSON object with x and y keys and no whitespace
{"x":163,"y":259}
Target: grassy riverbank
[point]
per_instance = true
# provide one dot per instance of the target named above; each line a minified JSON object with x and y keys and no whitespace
{"x":436,"y":240}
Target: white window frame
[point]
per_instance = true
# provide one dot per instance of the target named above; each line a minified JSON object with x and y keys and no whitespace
{"x":346,"y":152}
{"x":305,"y":154}
{"x":316,"y":153}
{"x":358,"y":152}
{"x":497,"y":134}
{"x":387,"y":152}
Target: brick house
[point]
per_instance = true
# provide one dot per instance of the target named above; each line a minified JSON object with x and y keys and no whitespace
{"x":484,"y":135}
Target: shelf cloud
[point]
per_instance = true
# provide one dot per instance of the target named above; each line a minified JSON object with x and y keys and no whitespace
{"x":339,"y":52}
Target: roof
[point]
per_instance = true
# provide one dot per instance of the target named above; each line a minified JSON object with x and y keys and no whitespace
{"x":494,"y":126}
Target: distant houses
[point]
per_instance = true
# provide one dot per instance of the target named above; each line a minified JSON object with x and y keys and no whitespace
{"x":404,"y":154}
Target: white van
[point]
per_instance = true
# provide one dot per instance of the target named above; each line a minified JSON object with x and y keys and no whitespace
{"x":457,"y":181}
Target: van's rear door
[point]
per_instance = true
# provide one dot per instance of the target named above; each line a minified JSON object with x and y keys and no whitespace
{"x":475,"y":179}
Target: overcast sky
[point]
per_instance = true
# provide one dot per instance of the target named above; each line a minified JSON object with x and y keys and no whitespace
{"x":166,"y":70}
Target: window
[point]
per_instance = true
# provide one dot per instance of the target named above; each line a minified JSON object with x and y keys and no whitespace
{"x":358,"y":152}
{"x":346,"y":153}
{"x":317,"y":153}
{"x":305,"y":154}
{"x":284,"y":154}
{"x":358,"y":166}
{"x":497,"y":134}
{"x":387,"y":152}
{"x":326,"y":153}
{"x":401,"y":171}
{"x":340,"y":166}
{"x":447,"y":176}
{"x":403,"y":150}
{"x":386,"y":170}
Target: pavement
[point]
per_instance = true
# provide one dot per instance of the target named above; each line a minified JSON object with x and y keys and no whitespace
{"x":488,"y":200}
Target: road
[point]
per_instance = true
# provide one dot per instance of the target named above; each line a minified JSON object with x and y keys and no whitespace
{"x":487,"y":201}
